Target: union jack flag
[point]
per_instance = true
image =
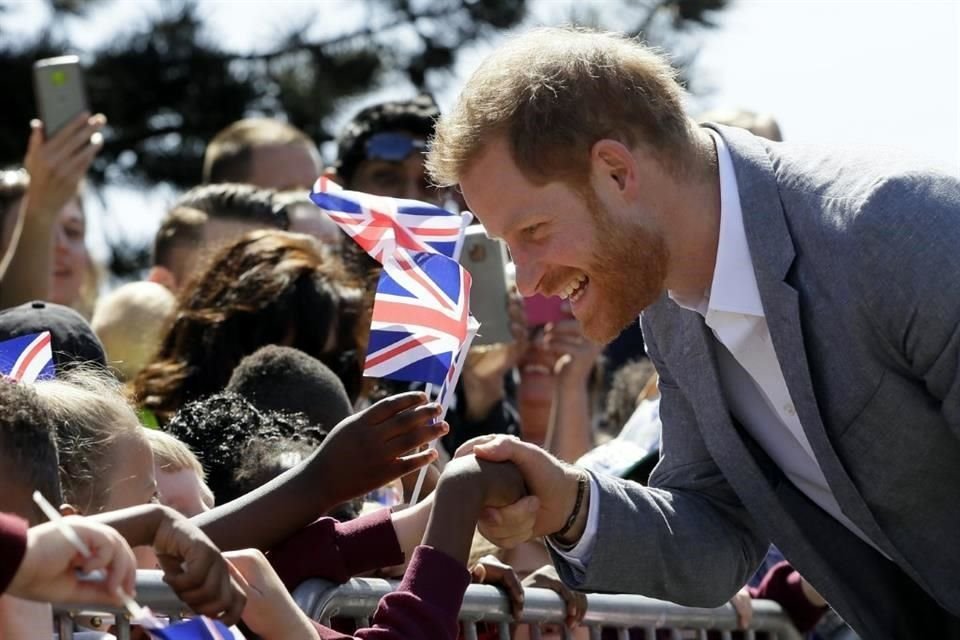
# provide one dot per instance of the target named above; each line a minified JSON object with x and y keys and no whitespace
{"x":199,"y":628}
{"x":27,"y":358}
{"x":421,"y":317}
{"x":380,"y":224}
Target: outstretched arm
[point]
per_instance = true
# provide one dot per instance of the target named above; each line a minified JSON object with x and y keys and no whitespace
{"x":428,"y":601}
{"x":365,"y":451}
{"x":192,"y":564}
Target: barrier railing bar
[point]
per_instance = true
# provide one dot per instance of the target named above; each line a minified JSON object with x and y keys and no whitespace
{"x":358,"y":599}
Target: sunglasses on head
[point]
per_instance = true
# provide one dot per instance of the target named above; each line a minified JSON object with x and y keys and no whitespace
{"x":393,"y":146}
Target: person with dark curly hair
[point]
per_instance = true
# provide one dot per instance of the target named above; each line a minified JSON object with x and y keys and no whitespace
{"x":228,"y":434}
{"x":269,"y":287}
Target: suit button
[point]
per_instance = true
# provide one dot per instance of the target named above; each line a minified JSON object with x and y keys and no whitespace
{"x":789,"y":410}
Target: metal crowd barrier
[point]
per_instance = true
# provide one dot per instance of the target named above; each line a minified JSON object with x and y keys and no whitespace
{"x":152,"y":592}
{"x":358,"y":599}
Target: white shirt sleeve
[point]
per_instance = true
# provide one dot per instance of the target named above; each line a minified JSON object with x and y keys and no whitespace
{"x":578,"y":556}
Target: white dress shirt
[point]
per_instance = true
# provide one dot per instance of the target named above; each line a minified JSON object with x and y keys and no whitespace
{"x":750,"y":374}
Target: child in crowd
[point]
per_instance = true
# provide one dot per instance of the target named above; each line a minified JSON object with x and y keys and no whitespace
{"x":30,"y":415}
{"x":231,"y":437}
{"x":107,"y":464}
{"x":284,"y":379}
{"x":105,"y":459}
{"x":181,"y":480}
{"x":28,"y":462}
{"x":435,"y":535}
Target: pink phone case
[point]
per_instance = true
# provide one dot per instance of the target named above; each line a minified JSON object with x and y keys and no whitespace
{"x":542,"y":310}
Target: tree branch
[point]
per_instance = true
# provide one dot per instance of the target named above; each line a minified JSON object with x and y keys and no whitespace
{"x":366,"y":32}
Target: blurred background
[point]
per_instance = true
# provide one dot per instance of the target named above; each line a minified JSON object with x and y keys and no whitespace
{"x":170,"y":74}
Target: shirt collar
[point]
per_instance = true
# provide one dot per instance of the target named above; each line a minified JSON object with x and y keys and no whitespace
{"x":734,"y":287}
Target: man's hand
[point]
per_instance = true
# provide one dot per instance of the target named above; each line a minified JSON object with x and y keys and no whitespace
{"x":270,"y":611}
{"x":195,"y":570}
{"x":51,"y":565}
{"x":552,"y":486}
{"x":56,"y":166}
{"x":373,"y":447}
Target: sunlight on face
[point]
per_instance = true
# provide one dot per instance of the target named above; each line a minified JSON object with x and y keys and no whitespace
{"x":608,"y":264}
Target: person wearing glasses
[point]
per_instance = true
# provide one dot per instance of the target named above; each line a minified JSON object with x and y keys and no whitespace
{"x":381,"y":150}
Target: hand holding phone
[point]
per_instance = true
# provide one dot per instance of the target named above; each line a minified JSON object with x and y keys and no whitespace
{"x":64,"y":142}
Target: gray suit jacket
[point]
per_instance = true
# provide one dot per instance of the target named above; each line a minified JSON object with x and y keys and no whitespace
{"x":858,"y":265}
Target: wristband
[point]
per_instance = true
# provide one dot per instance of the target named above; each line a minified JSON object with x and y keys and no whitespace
{"x":581,"y":491}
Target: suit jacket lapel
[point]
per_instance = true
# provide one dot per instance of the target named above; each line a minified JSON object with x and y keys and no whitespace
{"x":695,"y":366}
{"x":773,"y":253}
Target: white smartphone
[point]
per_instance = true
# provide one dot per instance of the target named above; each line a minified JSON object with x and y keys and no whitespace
{"x":59,"y":91}
{"x":486,"y":260}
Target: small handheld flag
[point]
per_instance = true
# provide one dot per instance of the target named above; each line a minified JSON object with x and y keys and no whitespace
{"x":379,"y":224}
{"x":420,"y":317}
{"x":199,"y":628}
{"x":27,"y":358}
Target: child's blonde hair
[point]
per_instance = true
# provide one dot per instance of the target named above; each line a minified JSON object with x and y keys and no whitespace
{"x":172,"y":455}
{"x":91,"y":414}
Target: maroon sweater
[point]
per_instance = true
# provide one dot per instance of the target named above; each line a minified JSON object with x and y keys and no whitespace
{"x":427,"y":603}
{"x":782,"y":585}
{"x":13,"y":546}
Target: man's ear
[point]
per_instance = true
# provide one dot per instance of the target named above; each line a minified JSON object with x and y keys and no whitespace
{"x":616,"y":165}
{"x":163,"y":276}
{"x":69,"y":510}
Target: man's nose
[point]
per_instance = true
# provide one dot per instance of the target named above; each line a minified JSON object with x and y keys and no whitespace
{"x":528,"y":273}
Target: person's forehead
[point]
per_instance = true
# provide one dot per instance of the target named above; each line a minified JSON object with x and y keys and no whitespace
{"x":504,"y":199}
{"x":178,"y":480}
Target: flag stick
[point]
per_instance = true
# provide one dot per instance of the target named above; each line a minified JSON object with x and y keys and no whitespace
{"x":446,"y":395}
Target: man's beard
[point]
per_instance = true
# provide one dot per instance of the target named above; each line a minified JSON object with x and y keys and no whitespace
{"x":628,"y":271}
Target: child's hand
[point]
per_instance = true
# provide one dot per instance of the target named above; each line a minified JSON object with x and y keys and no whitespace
{"x":496,"y":484}
{"x":466,"y":486}
{"x":373,"y":446}
{"x":270,"y":611}
{"x":195,"y":569}
{"x":546,"y":577}
{"x":50,"y":567}
{"x":490,"y":570}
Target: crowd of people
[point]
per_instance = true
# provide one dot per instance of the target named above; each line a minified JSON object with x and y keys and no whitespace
{"x":213,"y":421}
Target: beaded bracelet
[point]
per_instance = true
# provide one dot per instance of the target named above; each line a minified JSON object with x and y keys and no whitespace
{"x":581,"y":491}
